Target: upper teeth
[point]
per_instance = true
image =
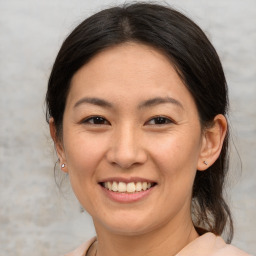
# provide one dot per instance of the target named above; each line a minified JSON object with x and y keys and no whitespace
{"x":130,"y":187}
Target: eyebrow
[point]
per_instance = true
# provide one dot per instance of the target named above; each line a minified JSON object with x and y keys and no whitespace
{"x":93,"y":101}
{"x":160,"y":100}
{"x":147,"y":103}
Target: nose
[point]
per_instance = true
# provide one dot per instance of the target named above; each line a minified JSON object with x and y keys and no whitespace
{"x":126,"y":149}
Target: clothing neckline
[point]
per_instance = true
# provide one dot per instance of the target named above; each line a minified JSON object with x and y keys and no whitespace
{"x":205,"y":240}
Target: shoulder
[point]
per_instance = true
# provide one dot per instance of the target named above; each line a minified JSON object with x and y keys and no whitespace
{"x":207,"y":244}
{"x":82,"y":249}
{"x":211,"y":245}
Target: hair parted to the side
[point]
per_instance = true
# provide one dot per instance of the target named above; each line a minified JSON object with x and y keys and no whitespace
{"x":195,"y":60}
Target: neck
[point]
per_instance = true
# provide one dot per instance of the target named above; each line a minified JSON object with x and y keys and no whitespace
{"x":167,"y":240}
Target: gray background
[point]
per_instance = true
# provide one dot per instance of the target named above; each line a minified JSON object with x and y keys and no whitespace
{"x":35,"y":217}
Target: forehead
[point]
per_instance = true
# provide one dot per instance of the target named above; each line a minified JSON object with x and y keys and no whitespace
{"x":128,"y":71}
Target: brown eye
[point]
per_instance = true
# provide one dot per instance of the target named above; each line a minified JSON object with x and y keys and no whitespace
{"x":96,"y":120}
{"x":159,"y":120}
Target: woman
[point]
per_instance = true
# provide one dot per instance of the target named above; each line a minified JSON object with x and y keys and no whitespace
{"x":137,"y":100}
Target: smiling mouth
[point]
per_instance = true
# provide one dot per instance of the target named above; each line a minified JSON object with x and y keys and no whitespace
{"x":131,"y":187}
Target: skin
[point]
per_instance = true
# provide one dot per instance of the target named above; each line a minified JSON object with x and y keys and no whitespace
{"x":130,"y":142}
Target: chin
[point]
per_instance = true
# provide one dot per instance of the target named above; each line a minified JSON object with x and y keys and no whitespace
{"x":125,"y":224}
{"x":130,"y":230}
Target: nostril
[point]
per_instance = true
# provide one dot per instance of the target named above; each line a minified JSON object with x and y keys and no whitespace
{"x":126,"y":159}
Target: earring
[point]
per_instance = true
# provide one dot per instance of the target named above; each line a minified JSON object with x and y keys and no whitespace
{"x":63,"y":165}
{"x":205,"y":162}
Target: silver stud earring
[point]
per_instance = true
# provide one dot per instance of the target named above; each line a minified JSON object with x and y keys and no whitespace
{"x":63,"y":165}
{"x":205,"y":162}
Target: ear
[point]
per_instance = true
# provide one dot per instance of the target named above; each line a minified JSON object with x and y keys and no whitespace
{"x":58,"y":144}
{"x":212,"y":142}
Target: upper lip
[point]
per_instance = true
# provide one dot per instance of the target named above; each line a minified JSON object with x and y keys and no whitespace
{"x":127,"y":180}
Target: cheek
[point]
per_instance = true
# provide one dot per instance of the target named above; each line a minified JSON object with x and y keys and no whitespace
{"x":83,"y":153}
{"x":179,"y":150}
{"x":176,"y":159}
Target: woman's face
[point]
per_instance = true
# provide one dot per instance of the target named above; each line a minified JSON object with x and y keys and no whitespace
{"x":131,"y":140}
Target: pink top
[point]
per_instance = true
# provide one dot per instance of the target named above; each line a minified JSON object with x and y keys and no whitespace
{"x":205,"y":245}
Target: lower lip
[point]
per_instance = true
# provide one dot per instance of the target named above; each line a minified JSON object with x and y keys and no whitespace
{"x":127,"y":197}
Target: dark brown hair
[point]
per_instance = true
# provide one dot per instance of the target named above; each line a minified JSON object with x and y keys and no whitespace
{"x":195,"y":60}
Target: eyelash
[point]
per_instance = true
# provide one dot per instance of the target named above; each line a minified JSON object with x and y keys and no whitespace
{"x":161,"y":119}
{"x":99,"y":120}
